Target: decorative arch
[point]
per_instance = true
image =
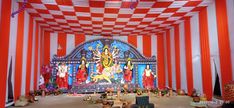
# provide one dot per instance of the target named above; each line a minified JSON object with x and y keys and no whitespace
{"x":126,"y":50}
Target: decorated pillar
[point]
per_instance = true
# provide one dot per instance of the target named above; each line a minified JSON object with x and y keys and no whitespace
{"x":54,"y":72}
{"x":155,"y":73}
{"x":136,"y":73}
{"x":74,"y":74}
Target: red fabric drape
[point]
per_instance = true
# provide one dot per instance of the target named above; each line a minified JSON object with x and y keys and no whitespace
{"x":41,"y":51}
{"x":4,"y":46}
{"x":168,"y":38}
{"x":19,"y":55}
{"x":147,"y":45}
{"x":79,"y":38}
{"x":224,"y":42}
{"x":161,"y":63}
{"x":132,"y":39}
{"x":205,"y":54}
{"x":29,"y":56}
{"x":62,"y":40}
{"x":36,"y":57}
{"x":46,"y":48}
{"x":177,"y":56}
{"x":188,"y":52}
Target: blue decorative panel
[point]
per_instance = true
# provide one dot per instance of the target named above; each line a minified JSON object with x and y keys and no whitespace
{"x":141,"y":68}
{"x":123,"y":47}
{"x":78,"y":55}
{"x":89,"y":72}
{"x":93,"y":45}
{"x":70,"y":72}
{"x":131,"y":55}
{"x":120,"y":45}
{"x":89,"y":55}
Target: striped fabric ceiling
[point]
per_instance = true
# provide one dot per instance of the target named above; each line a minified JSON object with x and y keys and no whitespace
{"x":112,"y":17}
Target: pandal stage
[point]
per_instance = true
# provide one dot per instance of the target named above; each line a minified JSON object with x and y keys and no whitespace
{"x":110,"y":73}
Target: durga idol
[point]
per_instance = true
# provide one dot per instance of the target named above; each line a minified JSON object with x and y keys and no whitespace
{"x":104,"y":62}
{"x":106,"y":58}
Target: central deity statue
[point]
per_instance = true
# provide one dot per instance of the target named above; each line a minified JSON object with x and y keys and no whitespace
{"x":106,"y":58}
{"x":104,"y":62}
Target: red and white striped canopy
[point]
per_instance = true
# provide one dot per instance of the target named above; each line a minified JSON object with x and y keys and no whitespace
{"x":112,"y":17}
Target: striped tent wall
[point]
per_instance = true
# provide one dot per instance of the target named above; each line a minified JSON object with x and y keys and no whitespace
{"x":20,"y":36}
{"x":202,"y":47}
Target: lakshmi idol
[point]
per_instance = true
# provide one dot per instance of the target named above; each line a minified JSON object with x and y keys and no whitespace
{"x":128,"y":71}
{"x":82,"y":71}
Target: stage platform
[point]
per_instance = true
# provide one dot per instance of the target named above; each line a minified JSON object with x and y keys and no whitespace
{"x":91,"y":88}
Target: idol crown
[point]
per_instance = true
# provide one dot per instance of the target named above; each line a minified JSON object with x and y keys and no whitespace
{"x":83,"y":58}
{"x":129,"y":59}
{"x":105,"y":47}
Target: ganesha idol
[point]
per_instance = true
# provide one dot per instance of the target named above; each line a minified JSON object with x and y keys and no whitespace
{"x":62,"y":76}
{"x":82,"y":73}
